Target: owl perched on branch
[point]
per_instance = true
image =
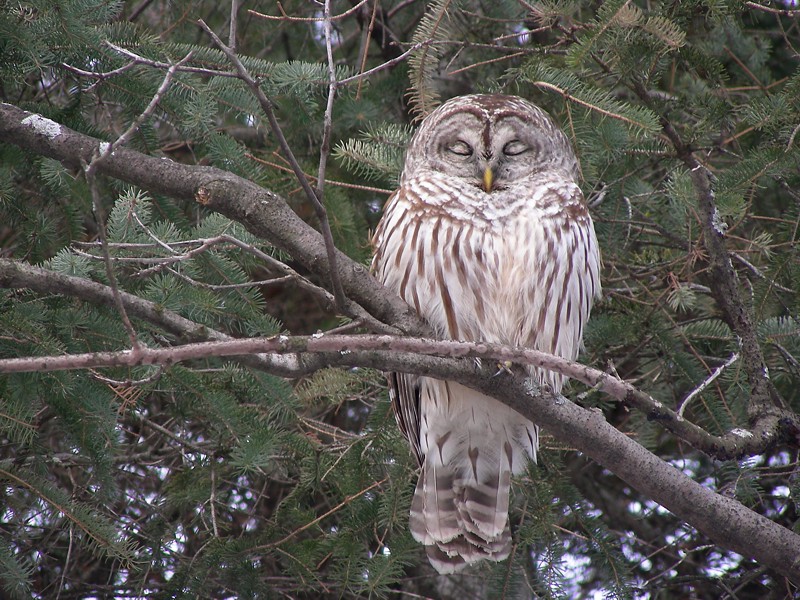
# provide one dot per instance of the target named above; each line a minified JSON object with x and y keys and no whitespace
{"x":489,"y":239}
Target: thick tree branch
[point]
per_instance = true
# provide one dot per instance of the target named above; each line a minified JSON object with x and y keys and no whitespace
{"x":267,"y":215}
{"x":262,"y":212}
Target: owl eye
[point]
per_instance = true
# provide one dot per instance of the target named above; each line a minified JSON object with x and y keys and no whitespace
{"x":514,"y":148}
{"x":460,"y":148}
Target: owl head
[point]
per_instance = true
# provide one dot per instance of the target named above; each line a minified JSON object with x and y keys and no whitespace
{"x":491,"y":141}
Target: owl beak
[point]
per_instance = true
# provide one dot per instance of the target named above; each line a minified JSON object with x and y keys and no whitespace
{"x":488,"y":179}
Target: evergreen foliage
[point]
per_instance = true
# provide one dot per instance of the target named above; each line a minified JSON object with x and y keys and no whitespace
{"x":213,"y":479}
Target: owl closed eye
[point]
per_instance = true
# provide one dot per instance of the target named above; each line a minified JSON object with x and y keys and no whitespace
{"x":519,"y":140}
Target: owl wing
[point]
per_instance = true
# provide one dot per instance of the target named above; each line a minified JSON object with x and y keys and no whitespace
{"x":404,"y":389}
{"x":404,"y":393}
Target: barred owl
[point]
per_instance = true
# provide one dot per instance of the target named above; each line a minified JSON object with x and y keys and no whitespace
{"x":488,"y":238}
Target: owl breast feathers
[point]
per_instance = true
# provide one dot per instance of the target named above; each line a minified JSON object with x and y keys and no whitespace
{"x":489,"y":239}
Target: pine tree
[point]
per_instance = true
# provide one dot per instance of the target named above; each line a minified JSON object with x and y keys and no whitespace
{"x":169,"y":175}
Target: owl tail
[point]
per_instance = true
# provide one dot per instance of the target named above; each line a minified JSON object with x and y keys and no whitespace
{"x":460,"y":511}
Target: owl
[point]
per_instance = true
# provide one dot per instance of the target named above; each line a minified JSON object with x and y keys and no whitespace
{"x":489,"y":239}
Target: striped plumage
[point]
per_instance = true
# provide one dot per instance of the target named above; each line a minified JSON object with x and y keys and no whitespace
{"x":488,"y":238}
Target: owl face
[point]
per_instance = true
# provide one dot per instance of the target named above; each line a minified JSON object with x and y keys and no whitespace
{"x":490,"y":142}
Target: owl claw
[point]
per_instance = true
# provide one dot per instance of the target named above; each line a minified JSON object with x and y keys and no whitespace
{"x":503,"y":367}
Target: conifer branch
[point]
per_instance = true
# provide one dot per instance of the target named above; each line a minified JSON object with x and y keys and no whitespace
{"x":265,"y":214}
{"x":18,"y":275}
{"x":311,"y":194}
{"x":381,"y":352}
{"x":90,"y":170}
{"x":593,"y":107}
{"x":325,"y":515}
{"x":764,"y":399}
{"x":262,"y":212}
{"x":711,"y":513}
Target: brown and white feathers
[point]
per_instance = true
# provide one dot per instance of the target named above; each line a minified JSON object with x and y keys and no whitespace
{"x":489,"y":239}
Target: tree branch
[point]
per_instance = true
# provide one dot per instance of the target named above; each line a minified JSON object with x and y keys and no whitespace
{"x":266,"y":214}
{"x":312,"y":195}
{"x":377,"y":352}
{"x":586,"y":429}
{"x":261,"y":211}
{"x":723,"y":278}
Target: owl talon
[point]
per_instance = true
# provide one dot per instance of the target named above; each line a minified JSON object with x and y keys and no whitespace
{"x":504,"y":367}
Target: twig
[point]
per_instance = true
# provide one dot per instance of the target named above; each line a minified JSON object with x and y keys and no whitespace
{"x":757,"y":272}
{"x":569,"y":97}
{"x":152,"y":235}
{"x":232,"y":30}
{"x":231,"y":286}
{"x":129,"y":383}
{"x":173,"y":436}
{"x":339,"y":506}
{"x":383,"y":66}
{"x":288,"y":18}
{"x":65,"y":568}
{"x":486,"y":62}
{"x":141,"y":60}
{"x":266,"y":106}
{"x":99,"y":76}
{"x":123,"y":139}
{"x":790,"y":143}
{"x":354,"y":186}
{"x":363,"y":53}
{"x":783,"y":12}
{"x":90,"y":169}
{"x":708,"y":380}
{"x":325,"y":150}
{"x":213,"y":498}
{"x":139,"y":9}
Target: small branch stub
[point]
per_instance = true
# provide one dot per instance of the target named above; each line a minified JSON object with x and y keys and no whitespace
{"x":203,"y":195}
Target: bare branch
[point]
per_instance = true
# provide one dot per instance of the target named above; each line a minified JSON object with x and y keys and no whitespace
{"x":379,"y":352}
{"x":141,"y":60}
{"x":232,"y":30}
{"x":783,"y":12}
{"x":100,"y":76}
{"x":383,"y":66}
{"x":311,"y":194}
{"x":284,"y":17}
{"x":90,"y":169}
{"x":706,"y":382}
{"x":324,"y":151}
